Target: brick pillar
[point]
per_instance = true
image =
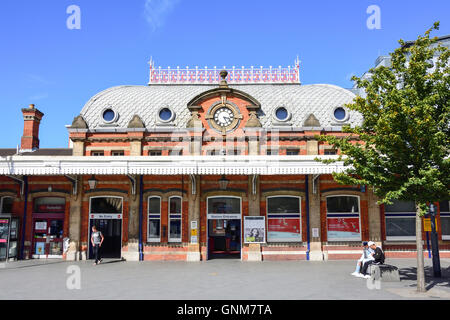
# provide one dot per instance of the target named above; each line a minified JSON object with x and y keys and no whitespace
{"x":254,"y":202}
{"x":312,"y":147}
{"x":136,"y":136}
{"x":131,"y":251}
{"x":73,"y":252}
{"x":30,"y":138}
{"x":78,"y":148}
{"x":315,"y":253}
{"x":193,"y":253}
{"x":253,"y":146}
{"x":196,"y":146}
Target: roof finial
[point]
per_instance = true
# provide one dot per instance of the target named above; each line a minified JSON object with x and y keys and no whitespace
{"x":223,"y":75}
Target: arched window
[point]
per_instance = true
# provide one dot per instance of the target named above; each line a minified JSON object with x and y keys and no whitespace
{"x":343,"y":218}
{"x":175,"y":211}
{"x":284,"y":219}
{"x":6,"y":204}
{"x":154,"y":219}
{"x":106,"y":205}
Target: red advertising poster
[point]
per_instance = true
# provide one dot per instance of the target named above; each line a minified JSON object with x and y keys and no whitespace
{"x":343,"y":228}
{"x":284,"y":229}
{"x":4,"y":229}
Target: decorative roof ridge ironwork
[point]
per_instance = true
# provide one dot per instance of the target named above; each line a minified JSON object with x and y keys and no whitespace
{"x":198,"y":75}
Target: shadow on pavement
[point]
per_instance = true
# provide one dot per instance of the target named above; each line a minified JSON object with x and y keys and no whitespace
{"x":29,"y":264}
{"x":431,"y":281}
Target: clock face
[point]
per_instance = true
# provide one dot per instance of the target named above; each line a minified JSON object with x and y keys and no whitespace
{"x":223,"y":116}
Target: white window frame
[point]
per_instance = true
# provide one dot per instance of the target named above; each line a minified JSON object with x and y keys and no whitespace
{"x":148,"y":220}
{"x":447,"y":216}
{"x":169,"y":219}
{"x":295,"y":150}
{"x":273,"y":152}
{"x":155,"y":155}
{"x":300,"y":218}
{"x":100,"y":153}
{"x":398,"y":238}
{"x":114,"y":153}
{"x":176,"y":152}
{"x":343,"y":213}
{"x":225,"y":196}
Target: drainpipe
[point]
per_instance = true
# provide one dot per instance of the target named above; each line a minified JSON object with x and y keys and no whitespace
{"x":307,"y":216}
{"x":141,"y":198}
{"x":24,"y":222}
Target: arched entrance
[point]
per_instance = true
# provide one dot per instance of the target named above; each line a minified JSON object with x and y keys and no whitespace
{"x":224,"y":215}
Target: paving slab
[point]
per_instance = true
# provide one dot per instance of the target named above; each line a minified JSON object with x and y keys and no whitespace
{"x":215,"y":279}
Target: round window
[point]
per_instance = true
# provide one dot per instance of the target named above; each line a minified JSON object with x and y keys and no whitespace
{"x":109,"y":115}
{"x":165,"y":114}
{"x":282,"y":114}
{"x":340,"y":114}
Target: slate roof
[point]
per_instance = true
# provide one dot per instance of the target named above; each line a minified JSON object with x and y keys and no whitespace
{"x":39,"y":152}
{"x":145,"y":101}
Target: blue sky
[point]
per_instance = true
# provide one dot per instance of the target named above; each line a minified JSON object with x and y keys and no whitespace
{"x":45,"y":63}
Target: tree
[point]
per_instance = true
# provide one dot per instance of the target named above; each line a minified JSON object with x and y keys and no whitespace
{"x":402,"y":146}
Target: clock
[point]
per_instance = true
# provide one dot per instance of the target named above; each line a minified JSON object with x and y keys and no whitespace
{"x":223,"y":117}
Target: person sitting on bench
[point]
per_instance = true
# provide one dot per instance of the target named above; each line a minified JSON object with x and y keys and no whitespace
{"x":366,"y":256}
{"x":378,"y":258}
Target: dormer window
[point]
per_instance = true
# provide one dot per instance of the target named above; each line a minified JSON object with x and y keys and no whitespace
{"x":165,"y":115}
{"x":281,"y":114}
{"x":340,"y":114}
{"x":109,"y":115}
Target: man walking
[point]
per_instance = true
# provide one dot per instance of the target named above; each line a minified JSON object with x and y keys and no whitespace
{"x":96,"y":240}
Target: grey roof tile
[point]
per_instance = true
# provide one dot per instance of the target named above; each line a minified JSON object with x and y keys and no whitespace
{"x":145,"y":101}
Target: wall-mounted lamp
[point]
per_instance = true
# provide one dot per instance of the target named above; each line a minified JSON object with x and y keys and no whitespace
{"x":50,"y":189}
{"x":223,"y":182}
{"x":92,"y":182}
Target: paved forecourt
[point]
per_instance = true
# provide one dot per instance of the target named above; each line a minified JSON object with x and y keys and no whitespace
{"x":215,"y":279}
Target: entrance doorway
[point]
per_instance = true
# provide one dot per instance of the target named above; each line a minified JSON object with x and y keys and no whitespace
{"x":224,"y":238}
{"x":48,"y":227}
{"x":48,"y":236}
{"x":224,"y":227}
{"x":106,"y":214}
{"x":112,"y":233}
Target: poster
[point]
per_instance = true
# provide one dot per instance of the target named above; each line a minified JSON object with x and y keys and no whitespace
{"x":254,"y":229}
{"x":40,"y":225}
{"x":4,"y":230}
{"x":40,"y":248}
{"x":343,"y":228}
{"x":284,"y":230}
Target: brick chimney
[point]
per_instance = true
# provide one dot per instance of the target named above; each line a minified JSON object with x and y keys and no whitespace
{"x":30,"y":138}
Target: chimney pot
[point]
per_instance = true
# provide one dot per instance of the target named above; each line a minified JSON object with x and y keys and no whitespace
{"x":30,"y":138}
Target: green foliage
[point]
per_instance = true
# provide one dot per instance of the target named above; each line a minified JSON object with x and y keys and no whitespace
{"x":402,"y":146}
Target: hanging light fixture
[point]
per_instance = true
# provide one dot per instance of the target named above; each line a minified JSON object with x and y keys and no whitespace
{"x":92,"y":182}
{"x":223,"y":182}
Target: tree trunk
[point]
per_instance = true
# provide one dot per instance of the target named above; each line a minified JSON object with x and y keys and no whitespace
{"x":419,"y":245}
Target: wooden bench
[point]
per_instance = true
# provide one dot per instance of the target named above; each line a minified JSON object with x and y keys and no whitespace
{"x":385,"y":272}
